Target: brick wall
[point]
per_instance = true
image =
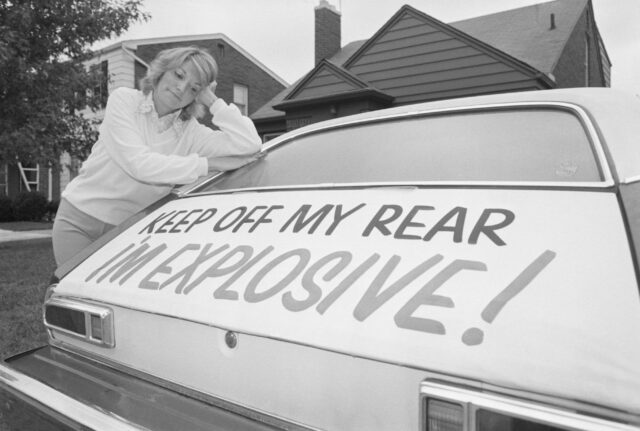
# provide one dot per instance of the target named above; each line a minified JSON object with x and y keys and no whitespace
{"x":327,"y":32}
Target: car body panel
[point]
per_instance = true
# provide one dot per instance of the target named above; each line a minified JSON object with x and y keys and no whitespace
{"x":515,"y":293}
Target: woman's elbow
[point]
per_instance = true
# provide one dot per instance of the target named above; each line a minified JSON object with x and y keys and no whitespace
{"x":256,"y":144}
{"x":251,"y":145}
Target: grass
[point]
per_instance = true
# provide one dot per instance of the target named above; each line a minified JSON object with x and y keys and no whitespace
{"x":25,"y":225}
{"x":26,"y":268}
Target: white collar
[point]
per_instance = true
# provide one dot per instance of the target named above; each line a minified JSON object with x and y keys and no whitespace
{"x":165,"y":122}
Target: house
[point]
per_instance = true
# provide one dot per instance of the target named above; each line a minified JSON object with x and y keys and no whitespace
{"x":243,"y":80}
{"x":414,"y":58}
{"x":20,"y":177}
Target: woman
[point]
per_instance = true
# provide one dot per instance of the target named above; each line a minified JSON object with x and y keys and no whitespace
{"x":150,"y":141}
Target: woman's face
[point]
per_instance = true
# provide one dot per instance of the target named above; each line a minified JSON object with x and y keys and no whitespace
{"x":177,"y":88}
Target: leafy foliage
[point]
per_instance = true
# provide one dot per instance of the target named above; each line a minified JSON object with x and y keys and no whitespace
{"x":30,"y":206}
{"x":6,"y":209}
{"x":43,"y":83}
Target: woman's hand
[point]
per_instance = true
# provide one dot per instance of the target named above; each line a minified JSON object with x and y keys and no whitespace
{"x":228,"y":163}
{"x":208,"y":95}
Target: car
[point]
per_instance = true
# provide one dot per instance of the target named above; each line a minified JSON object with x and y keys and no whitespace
{"x":464,"y":264}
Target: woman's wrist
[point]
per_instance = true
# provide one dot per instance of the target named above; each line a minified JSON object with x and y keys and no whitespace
{"x":208,"y":96}
{"x":207,"y":100}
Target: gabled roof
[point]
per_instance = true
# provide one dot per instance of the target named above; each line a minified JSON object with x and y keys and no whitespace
{"x":520,"y":38}
{"x":525,"y":33}
{"x":407,"y":10}
{"x":327,"y":82}
{"x":267,"y":112}
{"x":132,"y":45}
{"x":341,"y":80}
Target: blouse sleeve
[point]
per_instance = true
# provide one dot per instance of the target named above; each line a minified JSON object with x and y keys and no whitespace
{"x":237,"y":135}
{"x":124,"y":142}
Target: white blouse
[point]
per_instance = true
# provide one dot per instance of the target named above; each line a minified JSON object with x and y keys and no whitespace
{"x":139,"y":157}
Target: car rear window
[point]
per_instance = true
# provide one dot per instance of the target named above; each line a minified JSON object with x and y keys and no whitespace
{"x":514,"y":145}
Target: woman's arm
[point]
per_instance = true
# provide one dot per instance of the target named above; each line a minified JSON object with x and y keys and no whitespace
{"x":124,"y":141}
{"x":237,"y":135}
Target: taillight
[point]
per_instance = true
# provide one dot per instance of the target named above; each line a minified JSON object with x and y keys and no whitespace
{"x":452,"y":408}
{"x":488,"y":420}
{"x":89,"y":322}
{"x":444,"y":416}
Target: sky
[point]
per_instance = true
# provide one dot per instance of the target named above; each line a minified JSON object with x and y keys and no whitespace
{"x":280,"y":33}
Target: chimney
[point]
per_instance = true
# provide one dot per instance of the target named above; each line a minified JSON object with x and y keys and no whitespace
{"x":327,"y":30}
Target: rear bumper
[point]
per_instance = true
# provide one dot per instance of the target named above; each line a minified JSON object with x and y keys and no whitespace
{"x":26,"y":403}
{"x":66,"y":391}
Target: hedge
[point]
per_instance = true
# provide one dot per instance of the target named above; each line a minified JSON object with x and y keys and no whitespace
{"x":6,"y":209}
{"x":27,"y":206}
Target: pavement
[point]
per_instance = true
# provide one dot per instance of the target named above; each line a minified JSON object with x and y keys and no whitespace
{"x":10,"y":235}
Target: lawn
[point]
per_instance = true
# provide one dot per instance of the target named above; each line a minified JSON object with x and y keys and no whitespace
{"x":26,"y":225}
{"x":26,"y":268}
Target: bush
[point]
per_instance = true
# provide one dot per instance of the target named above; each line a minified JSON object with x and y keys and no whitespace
{"x":52,"y":209}
{"x":30,"y":206}
{"x":6,"y":208}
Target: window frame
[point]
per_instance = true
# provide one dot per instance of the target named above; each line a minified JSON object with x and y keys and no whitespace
{"x":101,"y":89}
{"x":244,"y":107}
{"x":590,"y":130}
{"x":4,"y":179}
{"x":28,"y":184}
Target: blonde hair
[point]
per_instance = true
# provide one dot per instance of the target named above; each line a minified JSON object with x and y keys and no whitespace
{"x":173,"y":58}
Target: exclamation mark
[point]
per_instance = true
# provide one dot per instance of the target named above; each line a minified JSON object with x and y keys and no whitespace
{"x":474,"y":336}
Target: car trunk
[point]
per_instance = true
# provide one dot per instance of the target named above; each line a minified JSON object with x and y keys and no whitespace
{"x":330,"y":307}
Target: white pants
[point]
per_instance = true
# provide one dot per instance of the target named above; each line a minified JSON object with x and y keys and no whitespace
{"x":74,"y":230}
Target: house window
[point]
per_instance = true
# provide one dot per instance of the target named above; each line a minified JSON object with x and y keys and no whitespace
{"x":30,"y":177}
{"x":295,"y":123}
{"x":241,"y":97}
{"x":587,"y":60}
{"x":220,"y":50}
{"x":101,"y":90}
{"x":4,"y":180}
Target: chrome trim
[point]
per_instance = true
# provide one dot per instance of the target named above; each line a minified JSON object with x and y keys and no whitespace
{"x":592,"y":134}
{"x":63,"y":404}
{"x":414,"y":185}
{"x":472,"y":400}
{"x":105,"y":314}
{"x":183,"y":190}
{"x":49,"y":293}
{"x":630,"y":180}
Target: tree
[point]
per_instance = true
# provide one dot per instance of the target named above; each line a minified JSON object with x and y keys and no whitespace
{"x":43,"y":83}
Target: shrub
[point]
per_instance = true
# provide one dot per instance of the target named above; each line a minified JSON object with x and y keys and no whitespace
{"x":30,"y":206}
{"x":52,"y":209}
{"x":6,"y":208}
